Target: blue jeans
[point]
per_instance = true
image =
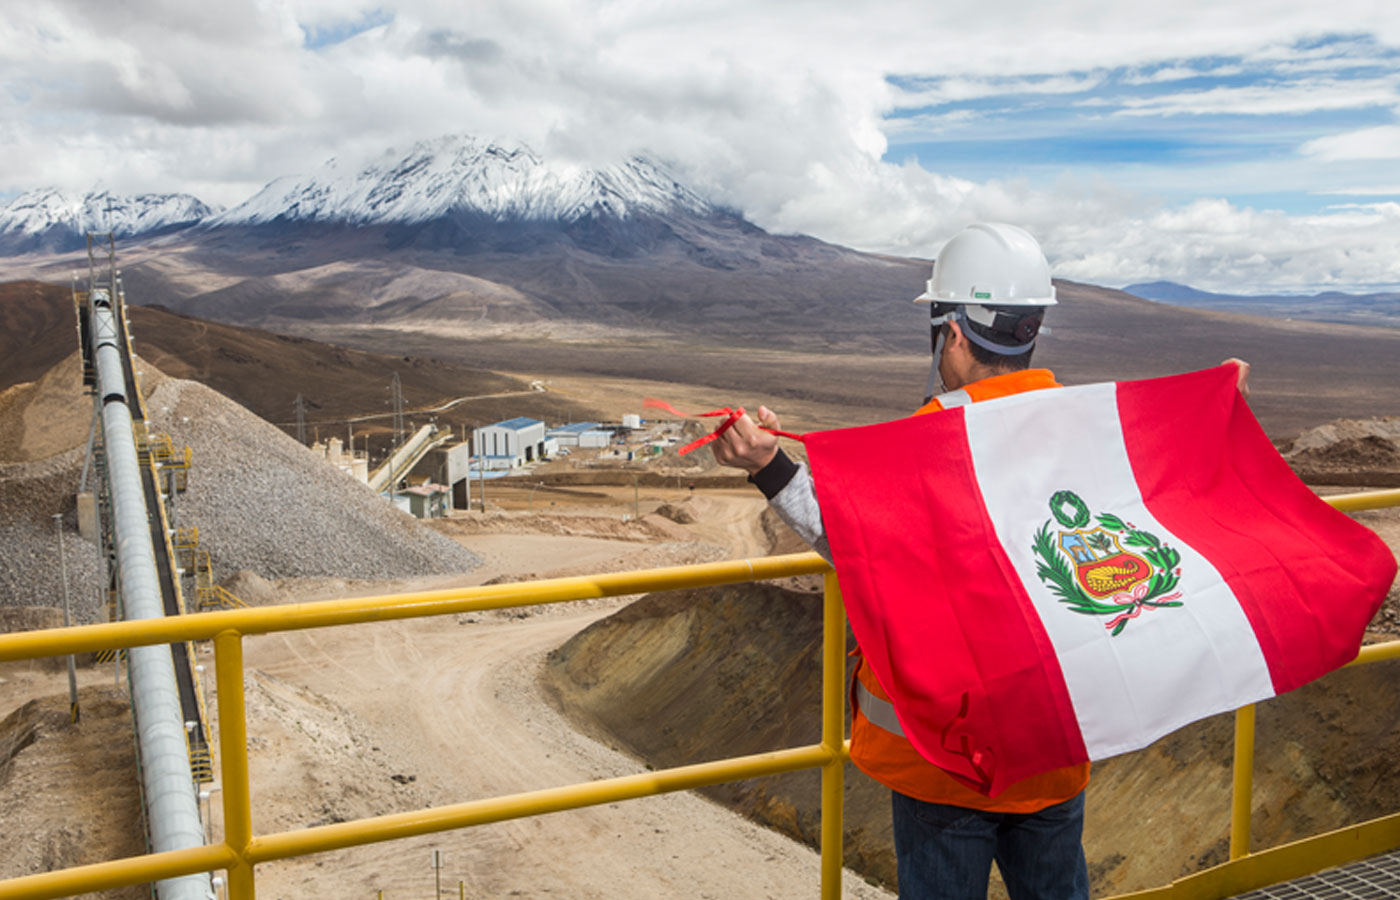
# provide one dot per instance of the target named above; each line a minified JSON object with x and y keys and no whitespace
{"x":946,"y":852}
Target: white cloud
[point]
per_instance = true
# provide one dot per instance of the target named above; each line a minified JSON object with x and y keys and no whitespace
{"x":1373,"y":191}
{"x":1270,"y":99}
{"x":779,"y":109}
{"x":952,"y":90}
{"x":1382,"y":142}
{"x":1181,"y":73}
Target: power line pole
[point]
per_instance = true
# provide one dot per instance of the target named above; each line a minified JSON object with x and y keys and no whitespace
{"x":301,"y":420}
{"x":396,"y":387}
{"x":396,"y":392}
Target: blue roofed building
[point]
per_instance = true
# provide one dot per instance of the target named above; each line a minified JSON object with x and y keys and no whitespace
{"x":511,"y":443}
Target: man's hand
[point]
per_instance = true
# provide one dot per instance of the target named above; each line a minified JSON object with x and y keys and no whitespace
{"x":1243,"y":380}
{"x":746,"y":446}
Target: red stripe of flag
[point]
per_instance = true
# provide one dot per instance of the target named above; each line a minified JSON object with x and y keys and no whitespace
{"x":949,"y":619}
{"x":1273,"y":540}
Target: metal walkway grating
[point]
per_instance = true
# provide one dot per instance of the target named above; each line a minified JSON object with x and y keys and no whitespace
{"x":1369,"y":879}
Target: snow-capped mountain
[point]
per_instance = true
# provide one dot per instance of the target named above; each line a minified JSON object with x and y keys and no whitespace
{"x":52,"y":220}
{"x":461,"y":175}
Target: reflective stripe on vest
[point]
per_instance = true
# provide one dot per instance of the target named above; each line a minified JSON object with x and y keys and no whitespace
{"x":877,"y":712}
{"x":954,"y":398}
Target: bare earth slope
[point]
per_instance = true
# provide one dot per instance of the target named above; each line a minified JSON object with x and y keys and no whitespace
{"x":265,"y":372}
{"x":681,"y":678}
{"x":1304,"y":374}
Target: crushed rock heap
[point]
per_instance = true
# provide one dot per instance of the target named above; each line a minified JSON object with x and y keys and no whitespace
{"x":261,"y":501}
{"x":30,"y":494}
{"x":265,"y":503}
{"x":1349,"y":445}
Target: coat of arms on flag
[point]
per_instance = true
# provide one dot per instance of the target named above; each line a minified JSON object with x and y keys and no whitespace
{"x":1182,"y":570}
{"x":1094,"y":575}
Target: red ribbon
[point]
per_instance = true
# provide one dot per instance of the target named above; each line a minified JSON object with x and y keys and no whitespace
{"x":1136,"y":598}
{"x":731,"y":416}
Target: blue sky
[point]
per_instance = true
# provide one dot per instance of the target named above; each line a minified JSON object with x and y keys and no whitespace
{"x":1244,"y":147}
{"x":319,"y":35}
{"x":1234,"y":126}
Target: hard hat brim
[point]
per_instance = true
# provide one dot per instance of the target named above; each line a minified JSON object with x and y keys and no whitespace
{"x":930,"y":297}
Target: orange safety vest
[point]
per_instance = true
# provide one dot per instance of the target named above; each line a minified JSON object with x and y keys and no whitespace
{"x":878,"y":746}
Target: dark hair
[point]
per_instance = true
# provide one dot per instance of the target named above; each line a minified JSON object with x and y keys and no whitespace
{"x":997,"y":361}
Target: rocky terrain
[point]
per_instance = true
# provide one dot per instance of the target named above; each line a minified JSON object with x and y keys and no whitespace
{"x":347,"y":724}
{"x":317,"y":521}
{"x":262,"y":502}
{"x":1349,"y":451}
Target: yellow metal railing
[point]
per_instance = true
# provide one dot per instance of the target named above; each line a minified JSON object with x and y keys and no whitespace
{"x":208,"y":594}
{"x":241,"y":850}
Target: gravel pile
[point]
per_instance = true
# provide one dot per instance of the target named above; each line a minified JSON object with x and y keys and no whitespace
{"x":1349,"y":445}
{"x":30,"y":494}
{"x":265,"y":503}
{"x":262,"y":503}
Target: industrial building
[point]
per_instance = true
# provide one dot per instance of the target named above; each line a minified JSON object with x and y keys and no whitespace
{"x":426,"y":501}
{"x":512,"y":443}
{"x":581,"y":434}
{"x":355,"y":465}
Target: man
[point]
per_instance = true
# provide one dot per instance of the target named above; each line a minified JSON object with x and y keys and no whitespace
{"x":989,"y":292}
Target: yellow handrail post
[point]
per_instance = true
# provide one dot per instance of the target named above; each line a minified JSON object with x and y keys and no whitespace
{"x":233,"y":750}
{"x":1240,"y":809}
{"x":833,"y":735}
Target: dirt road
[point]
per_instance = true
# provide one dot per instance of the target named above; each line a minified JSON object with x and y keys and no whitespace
{"x":360,"y":721}
{"x":456,"y":707}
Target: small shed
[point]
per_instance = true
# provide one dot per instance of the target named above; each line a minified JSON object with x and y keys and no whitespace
{"x":521,"y":440}
{"x":429,"y":501}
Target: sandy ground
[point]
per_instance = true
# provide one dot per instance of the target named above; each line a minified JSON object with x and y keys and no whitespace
{"x":366,"y":720}
{"x":353,"y":722}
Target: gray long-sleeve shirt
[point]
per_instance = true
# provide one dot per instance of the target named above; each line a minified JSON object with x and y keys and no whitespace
{"x":789,"y":489}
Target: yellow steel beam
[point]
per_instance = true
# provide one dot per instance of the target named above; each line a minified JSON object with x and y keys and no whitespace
{"x":1282,"y":863}
{"x":233,"y":763}
{"x":116,"y":873}
{"x":204,"y":626}
{"x":1364,"y":500}
{"x":833,"y":736}
{"x":535,"y":803}
{"x":1376,"y":653}
{"x":1243,"y":796}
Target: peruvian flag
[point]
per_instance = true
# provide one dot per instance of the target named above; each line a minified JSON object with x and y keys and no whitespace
{"x":1065,"y":575}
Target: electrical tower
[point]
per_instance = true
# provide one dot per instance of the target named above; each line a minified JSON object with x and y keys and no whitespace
{"x":301,"y":420}
{"x":396,"y":389}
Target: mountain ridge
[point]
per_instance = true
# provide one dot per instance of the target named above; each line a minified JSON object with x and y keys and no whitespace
{"x":461,"y":174}
{"x":54,"y":221}
{"x":1380,"y":308}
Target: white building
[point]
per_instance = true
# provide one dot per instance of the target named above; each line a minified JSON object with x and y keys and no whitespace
{"x":351,"y":463}
{"x":567,"y":435}
{"x":581,"y":434}
{"x":511,"y":443}
{"x":598,"y":439}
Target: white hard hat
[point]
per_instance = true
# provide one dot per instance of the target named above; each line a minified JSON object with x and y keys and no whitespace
{"x":990,"y":264}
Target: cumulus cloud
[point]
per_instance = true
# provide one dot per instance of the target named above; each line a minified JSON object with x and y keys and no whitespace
{"x":783,"y":111}
{"x":1268,"y":99}
{"x":1382,"y":142}
{"x":1216,"y":245}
